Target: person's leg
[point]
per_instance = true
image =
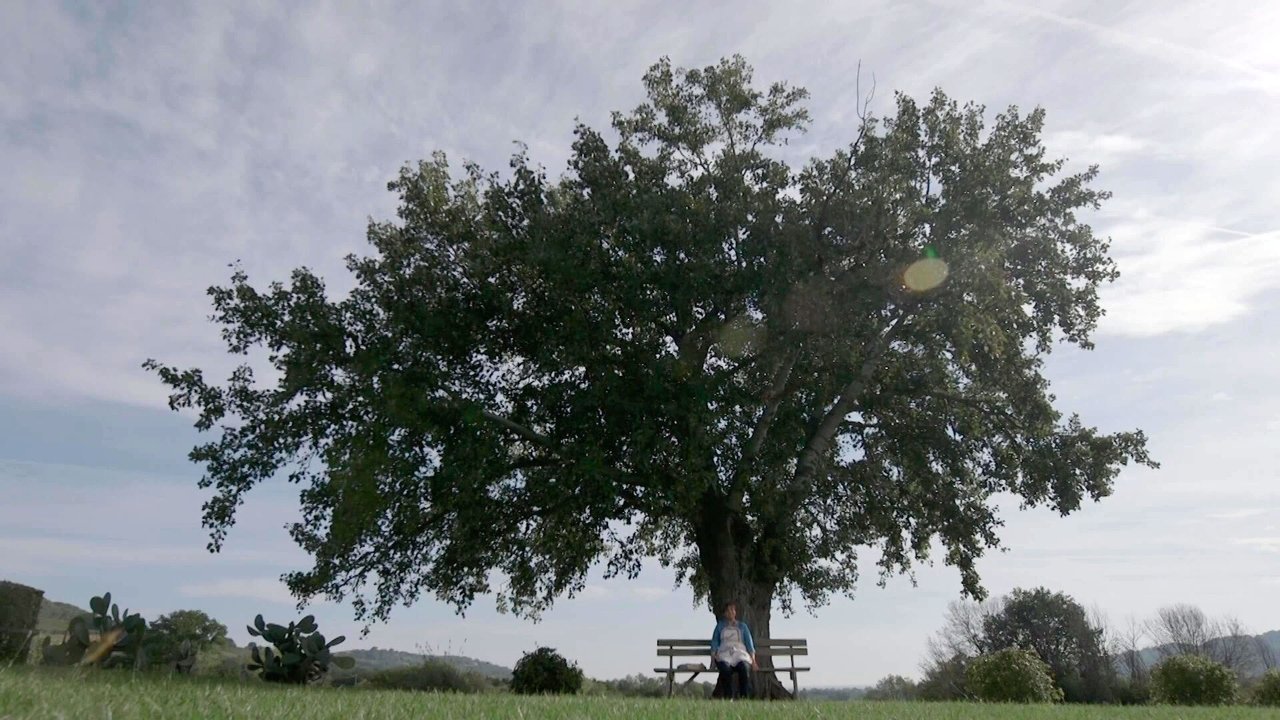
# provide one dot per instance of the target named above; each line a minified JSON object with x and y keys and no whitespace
{"x":726,"y":678}
{"x":743,"y":671}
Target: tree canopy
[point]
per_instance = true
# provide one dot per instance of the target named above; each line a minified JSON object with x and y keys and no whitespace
{"x":166,"y":633}
{"x":1059,"y":631}
{"x":683,"y":347}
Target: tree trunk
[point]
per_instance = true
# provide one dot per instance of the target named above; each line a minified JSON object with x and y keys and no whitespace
{"x":725,"y":548}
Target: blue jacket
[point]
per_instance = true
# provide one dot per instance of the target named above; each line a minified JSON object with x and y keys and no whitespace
{"x":742,"y":627}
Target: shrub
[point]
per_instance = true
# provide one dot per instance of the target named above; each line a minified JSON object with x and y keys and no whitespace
{"x":176,"y":639}
{"x":1011,"y":675}
{"x":433,"y":675}
{"x":227,"y":665}
{"x":1192,"y":680}
{"x":19,"y":610}
{"x":944,"y":679}
{"x":1267,"y":691}
{"x":543,"y":672}
{"x":1131,"y":692}
{"x":893,"y":687}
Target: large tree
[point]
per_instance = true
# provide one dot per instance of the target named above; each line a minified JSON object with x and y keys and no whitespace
{"x":682,"y":348}
{"x":167,"y":633}
{"x":1059,"y":630}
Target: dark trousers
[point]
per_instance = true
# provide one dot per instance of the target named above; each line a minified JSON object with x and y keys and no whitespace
{"x":735,"y":676}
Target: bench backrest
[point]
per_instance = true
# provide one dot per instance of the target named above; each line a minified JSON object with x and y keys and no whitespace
{"x":702,"y":647}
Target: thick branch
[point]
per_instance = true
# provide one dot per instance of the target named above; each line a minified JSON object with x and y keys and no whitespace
{"x":810,"y":458}
{"x":523,"y":431}
{"x":772,"y":399}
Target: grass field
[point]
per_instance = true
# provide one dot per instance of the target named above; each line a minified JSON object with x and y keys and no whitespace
{"x":40,"y":693}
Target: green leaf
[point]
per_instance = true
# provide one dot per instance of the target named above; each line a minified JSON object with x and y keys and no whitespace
{"x":343,"y":661}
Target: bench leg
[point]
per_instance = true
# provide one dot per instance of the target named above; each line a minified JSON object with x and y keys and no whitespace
{"x":671,"y":679}
{"x":795,"y":686}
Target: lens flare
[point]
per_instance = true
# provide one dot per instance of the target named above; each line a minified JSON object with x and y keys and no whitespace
{"x":104,"y":646}
{"x":926,"y":273}
{"x":740,"y":337}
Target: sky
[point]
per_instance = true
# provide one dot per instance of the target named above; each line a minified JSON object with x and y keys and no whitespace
{"x":148,"y":146}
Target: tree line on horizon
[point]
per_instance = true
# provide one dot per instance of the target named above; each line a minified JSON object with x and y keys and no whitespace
{"x":1090,"y":658}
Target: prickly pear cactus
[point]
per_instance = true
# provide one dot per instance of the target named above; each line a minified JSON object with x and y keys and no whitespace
{"x":75,"y":642}
{"x":300,"y":655}
{"x":184,"y":658}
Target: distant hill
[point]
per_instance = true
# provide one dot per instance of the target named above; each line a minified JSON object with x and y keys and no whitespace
{"x":55,"y":616}
{"x":375,"y":659}
{"x":1152,"y":655}
{"x":370,"y":660}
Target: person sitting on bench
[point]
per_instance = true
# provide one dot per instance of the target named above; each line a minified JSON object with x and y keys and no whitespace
{"x":731,"y":649}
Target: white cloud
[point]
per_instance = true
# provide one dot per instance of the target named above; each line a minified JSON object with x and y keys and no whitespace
{"x":1237,"y":514}
{"x":1098,"y":147}
{"x":67,"y":553}
{"x":1185,"y":276}
{"x":265,"y":589}
{"x":203,"y":144}
{"x":1262,"y":544}
{"x":650,"y":593}
{"x":617,"y":589}
{"x":595,"y":592}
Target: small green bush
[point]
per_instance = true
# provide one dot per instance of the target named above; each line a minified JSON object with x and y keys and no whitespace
{"x":545,"y":672}
{"x":433,"y":675}
{"x":1267,"y":690}
{"x":1011,"y":675}
{"x":1192,"y":680}
{"x":893,"y":687}
{"x":1131,"y":692}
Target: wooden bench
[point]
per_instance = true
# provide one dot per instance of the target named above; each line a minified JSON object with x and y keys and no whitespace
{"x":672,"y":649}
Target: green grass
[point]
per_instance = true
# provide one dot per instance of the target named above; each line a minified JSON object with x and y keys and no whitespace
{"x":41,"y":693}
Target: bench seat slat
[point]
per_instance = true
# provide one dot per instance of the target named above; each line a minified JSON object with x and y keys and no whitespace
{"x":709,"y":670}
{"x":703,"y":652}
{"x":707,"y":641}
{"x":781,"y":652}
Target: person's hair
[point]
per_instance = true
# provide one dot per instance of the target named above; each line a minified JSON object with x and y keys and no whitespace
{"x":724,"y":607}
